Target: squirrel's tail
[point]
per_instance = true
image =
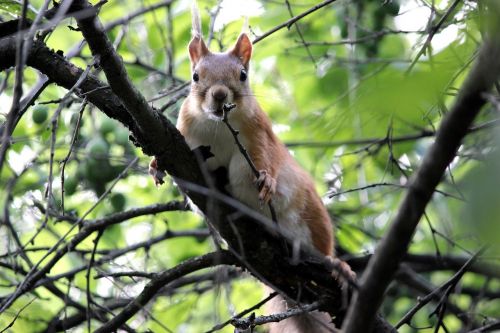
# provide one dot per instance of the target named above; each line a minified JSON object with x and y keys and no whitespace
{"x":313,"y":322}
{"x":196,"y":20}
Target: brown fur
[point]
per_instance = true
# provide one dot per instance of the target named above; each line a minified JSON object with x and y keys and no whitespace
{"x":289,"y":186}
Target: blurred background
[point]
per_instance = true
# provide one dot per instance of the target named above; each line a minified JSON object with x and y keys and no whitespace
{"x":355,"y":89}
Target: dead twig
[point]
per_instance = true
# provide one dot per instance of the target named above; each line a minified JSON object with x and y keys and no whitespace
{"x":243,"y":313}
{"x":226,"y":108}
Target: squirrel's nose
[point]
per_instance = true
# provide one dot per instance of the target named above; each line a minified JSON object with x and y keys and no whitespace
{"x":219,"y":95}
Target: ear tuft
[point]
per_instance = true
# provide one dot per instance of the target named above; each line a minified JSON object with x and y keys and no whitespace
{"x":197,"y":49}
{"x":243,"y":49}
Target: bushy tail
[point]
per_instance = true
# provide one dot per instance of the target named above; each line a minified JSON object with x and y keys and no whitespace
{"x":196,"y":20}
{"x":313,"y":322}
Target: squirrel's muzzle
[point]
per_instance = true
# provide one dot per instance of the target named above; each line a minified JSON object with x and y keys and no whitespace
{"x":220,"y":94}
{"x":215,"y":98}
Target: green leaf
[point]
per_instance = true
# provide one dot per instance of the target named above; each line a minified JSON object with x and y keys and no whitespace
{"x":14,"y":7}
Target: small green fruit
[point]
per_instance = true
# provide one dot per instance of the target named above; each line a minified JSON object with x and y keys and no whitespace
{"x":107,"y":126}
{"x":97,"y":148}
{"x":118,"y":202}
{"x":97,"y":170}
{"x":121,"y":136}
{"x":40,"y":114}
{"x":70,"y":185}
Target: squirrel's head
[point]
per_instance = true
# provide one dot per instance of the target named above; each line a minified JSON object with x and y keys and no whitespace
{"x":219,"y":78}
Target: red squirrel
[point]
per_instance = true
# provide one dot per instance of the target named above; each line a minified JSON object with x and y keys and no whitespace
{"x":221,"y":78}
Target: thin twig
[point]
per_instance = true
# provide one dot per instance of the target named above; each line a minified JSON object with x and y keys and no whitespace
{"x":487,"y":328}
{"x":123,"y":216}
{"x":253,"y":321}
{"x":448,"y":286}
{"x":416,"y":282}
{"x":433,"y":31}
{"x":301,"y":36}
{"x":70,"y":150}
{"x":130,"y":274}
{"x":454,"y":127}
{"x":34,"y":274}
{"x":87,"y":277}
{"x":171,"y":44}
{"x":291,"y":21}
{"x":226,"y":108}
{"x":18,"y":88}
{"x":42,"y":83}
{"x":213,"y":17}
{"x":54,"y":121}
{"x":18,"y":314}
{"x":6,"y":216}
{"x":243,"y":313}
{"x":153,"y":287}
{"x":362,"y":188}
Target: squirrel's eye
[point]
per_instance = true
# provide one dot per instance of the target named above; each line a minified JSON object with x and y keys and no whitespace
{"x":196,"y":77}
{"x":243,"y":75}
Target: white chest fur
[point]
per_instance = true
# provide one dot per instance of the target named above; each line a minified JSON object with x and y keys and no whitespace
{"x":213,"y":133}
{"x":208,"y":132}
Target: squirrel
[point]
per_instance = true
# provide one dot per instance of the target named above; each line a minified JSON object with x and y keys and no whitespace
{"x":221,"y":78}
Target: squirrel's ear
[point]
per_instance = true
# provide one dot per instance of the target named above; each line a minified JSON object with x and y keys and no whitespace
{"x":197,"y":49}
{"x":243,"y":49}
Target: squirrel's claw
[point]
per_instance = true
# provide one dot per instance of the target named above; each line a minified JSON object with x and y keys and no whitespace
{"x":266,"y":185}
{"x":155,"y":173}
{"x":342,"y":272}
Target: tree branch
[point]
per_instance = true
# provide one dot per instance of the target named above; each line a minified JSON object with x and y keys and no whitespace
{"x":186,"y":267}
{"x":292,"y":21}
{"x":305,"y":279}
{"x":393,"y":247}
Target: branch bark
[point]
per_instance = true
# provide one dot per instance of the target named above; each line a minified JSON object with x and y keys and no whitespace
{"x":154,"y":286}
{"x":454,"y":127}
{"x":153,"y":127}
{"x":260,"y":250}
{"x":306,"y":278}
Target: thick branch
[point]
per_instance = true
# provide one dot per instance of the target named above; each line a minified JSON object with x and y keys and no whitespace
{"x":423,"y":263}
{"x":57,"y":325}
{"x":393,"y":247}
{"x":186,"y":267}
{"x":153,"y":127}
{"x":237,"y":235}
{"x":305,"y":280}
{"x":112,"y":65}
{"x":88,"y":228}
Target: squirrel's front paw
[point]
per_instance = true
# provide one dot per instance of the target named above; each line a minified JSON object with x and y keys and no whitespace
{"x":266,"y":185}
{"x":157,"y":174}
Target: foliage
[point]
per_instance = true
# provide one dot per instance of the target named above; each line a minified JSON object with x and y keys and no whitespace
{"x":344,"y":90}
